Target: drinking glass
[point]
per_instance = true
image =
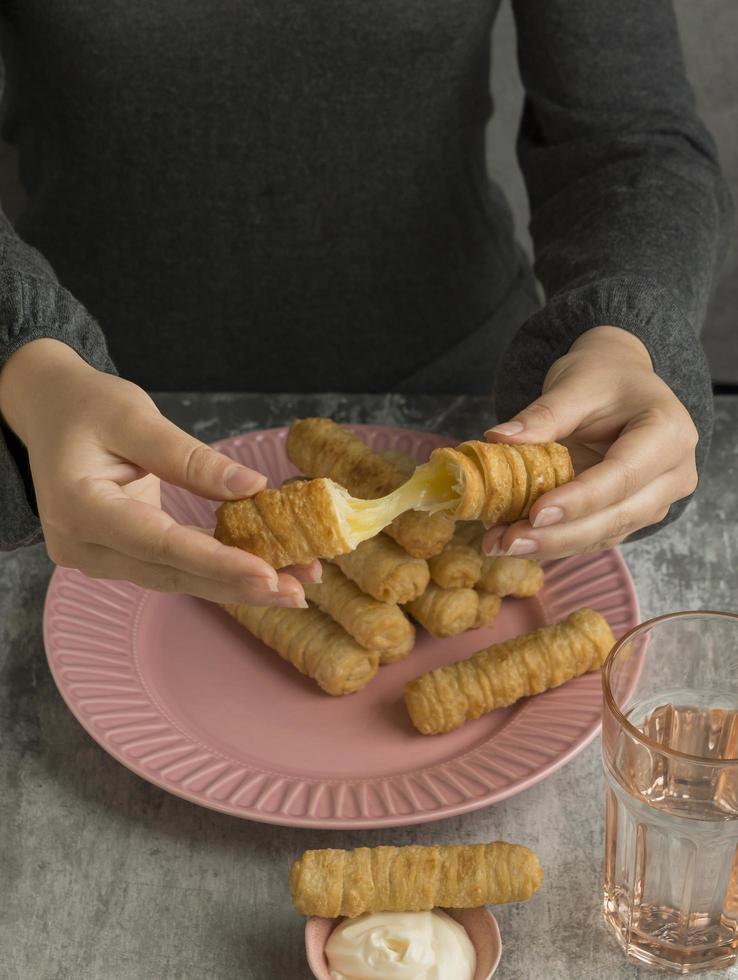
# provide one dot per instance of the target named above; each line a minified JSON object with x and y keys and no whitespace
{"x":670,"y":753}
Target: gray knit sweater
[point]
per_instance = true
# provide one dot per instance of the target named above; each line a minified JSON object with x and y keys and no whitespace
{"x":282,"y":195}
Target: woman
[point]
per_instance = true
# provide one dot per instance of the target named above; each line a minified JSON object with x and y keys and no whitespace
{"x":270,"y":195}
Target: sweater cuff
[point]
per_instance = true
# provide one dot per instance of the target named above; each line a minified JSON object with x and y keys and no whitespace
{"x":33,"y":309}
{"x":19,"y":523}
{"x":640,"y":306}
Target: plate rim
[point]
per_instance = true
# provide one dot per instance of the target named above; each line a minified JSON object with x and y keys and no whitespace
{"x":443,"y":811}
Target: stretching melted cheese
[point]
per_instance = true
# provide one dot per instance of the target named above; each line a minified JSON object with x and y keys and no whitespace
{"x":432,"y":487}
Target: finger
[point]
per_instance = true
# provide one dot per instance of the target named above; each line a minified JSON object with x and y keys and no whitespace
{"x":99,"y":562}
{"x":306,"y":573}
{"x":289,"y":585}
{"x":291,"y":577}
{"x":132,"y":527}
{"x":158,"y":446}
{"x":492,"y":538}
{"x":649,"y":506}
{"x":644,"y":451}
{"x":147,"y":489}
{"x":556,"y":414}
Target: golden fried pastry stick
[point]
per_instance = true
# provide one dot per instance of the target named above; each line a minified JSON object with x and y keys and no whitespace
{"x":459,"y":565}
{"x":482,"y":481}
{"x":401,"y":460}
{"x":311,"y":642}
{"x":518,"y":577}
{"x":332,"y":882}
{"x":375,"y":625}
{"x":321,"y":447}
{"x":487,"y":609}
{"x":495,"y":483}
{"x":320,"y":519}
{"x":422,"y":535}
{"x":384,"y":571}
{"x":303,"y":520}
{"x":445,"y":612}
{"x":445,"y":698}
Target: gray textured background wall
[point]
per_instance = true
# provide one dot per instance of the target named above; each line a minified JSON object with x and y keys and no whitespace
{"x":709,"y":30}
{"x":710,"y":35}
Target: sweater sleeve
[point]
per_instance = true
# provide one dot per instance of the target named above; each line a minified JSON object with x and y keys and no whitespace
{"x":630,"y":215}
{"x":33,"y":304}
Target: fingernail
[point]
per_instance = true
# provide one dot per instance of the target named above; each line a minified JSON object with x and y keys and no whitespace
{"x":262,"y":582}
{"x":238,"y":479}
{"x":295,"y":595}
{"x":290,"y":602}
{"x":312,"y":573}
{"x":507,"y":429}
{"x":522,"y":546}
{"x":547,"y":516}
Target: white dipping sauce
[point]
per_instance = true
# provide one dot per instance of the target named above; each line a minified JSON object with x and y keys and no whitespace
{"x":401,"y":946}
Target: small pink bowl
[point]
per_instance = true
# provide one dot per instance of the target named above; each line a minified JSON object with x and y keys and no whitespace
{"x":480,"y":925}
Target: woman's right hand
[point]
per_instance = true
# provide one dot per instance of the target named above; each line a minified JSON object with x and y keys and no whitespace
{"x":97,"y":446}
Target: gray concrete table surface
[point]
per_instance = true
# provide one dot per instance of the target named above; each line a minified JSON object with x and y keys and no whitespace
{"x":105,"y":877}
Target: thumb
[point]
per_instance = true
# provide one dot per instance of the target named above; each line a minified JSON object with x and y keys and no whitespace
{"x":160,"y":447}
{"x":561,"y":410}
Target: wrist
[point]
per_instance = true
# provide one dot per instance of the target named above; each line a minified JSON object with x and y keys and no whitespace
{"x":30,"y":375}
{"x":612,"y":341}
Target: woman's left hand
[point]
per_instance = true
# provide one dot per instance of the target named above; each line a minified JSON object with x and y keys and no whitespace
{"x":631,"y":439}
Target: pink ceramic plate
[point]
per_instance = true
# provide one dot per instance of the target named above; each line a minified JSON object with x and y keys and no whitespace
{"x":182,"y":695}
